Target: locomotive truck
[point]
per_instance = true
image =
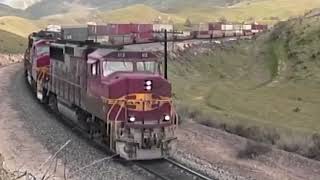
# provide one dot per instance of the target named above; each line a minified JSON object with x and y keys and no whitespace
{"x":118,"y":96}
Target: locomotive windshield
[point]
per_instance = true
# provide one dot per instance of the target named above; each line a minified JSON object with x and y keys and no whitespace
{"x":43,"y":49}
{"x":110,"y":67}
{"x":150,"y":66}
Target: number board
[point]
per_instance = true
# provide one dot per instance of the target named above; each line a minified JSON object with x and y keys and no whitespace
{"x":144,"y":55}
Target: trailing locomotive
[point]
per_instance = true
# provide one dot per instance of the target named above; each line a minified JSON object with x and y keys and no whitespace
{"x":37,"y":58}
{"x":118,"y":96}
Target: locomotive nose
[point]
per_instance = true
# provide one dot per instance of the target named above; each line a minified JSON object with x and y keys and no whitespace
{"x":126,"y":84}
{"x":146,"y":97}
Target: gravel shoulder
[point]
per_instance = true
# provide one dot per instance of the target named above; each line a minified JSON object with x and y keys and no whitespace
{"x":216,"y":153}
{"x":29,"y":135}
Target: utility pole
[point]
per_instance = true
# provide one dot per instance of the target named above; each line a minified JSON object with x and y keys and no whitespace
{"x":173,"y":38}
{"x":165,"y":54}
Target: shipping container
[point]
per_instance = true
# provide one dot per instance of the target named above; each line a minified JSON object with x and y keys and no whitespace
{"x":246,"y":26}
{"x":99,"y":39}
{"x":120,"y":29}
{"x":203,"y":34}
{"x":123,"y":29}
{"x":76,"y":33}
{"x":239,"y":32}
{"x":217,"y":33}
{"x":142,"y":32}
{"x":230,"y":33}
{"x":184,"y":34}
{"x":120,"y":39}
{"x":215,"y":26}
{"x":237,"y":27}
{"x":162,"y":27}
{"x":259,"y":27}
{"x":53,"y":28}
{"x":227,"y":27}
{"x":247,"y":32}
{"x":145,"y":28}
{"x":200,"y":27}
{"x":100,"y":30}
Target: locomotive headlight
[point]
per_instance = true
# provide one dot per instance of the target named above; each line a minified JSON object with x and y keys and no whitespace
{"x":148,"y":88}
{"x":148,"y":83}
{"x":167,"y":118}
{"x":132,"y":119}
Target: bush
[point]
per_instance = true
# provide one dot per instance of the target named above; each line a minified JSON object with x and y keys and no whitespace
{"x":294,"y":143}
{"x":208,"y":121}
{"x":253,"y":150}
{"x":314,"y":151}
{"x":187,"y":113}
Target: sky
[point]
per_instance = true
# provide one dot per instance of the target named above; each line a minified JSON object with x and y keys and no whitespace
{"x":22,"y":4}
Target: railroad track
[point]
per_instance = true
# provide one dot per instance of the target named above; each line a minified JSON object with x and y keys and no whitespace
{"x":168,"y":169}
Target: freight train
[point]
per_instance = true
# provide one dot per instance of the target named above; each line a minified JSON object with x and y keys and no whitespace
{"x":118,"y":96}
{"x":143,"y":33}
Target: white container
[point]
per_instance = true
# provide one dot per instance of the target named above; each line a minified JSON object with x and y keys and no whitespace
{"x":162,"y":27}
{"x":100,"y":39}
{"x":227,"y":27}
{"x":53,"y":28}
{"x":246,"y":26}
{"x":184,"y":34}
{"x":237,"y":27}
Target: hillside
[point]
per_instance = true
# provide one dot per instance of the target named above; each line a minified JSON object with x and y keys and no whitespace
{"x":137,"y":13}
{"x":49,"y":7}
{"x":268,"y":11}
{"x":16,"y":25}
{"x":11,"y":43}
{"x":273,"y":82}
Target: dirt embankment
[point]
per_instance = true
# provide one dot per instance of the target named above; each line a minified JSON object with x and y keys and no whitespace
{"x":217,"y":153}
{"x":6,"y":59}
{"x":4,"y":175}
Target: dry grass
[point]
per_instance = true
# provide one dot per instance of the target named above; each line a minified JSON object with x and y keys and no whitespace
{"x":137,"y":13}
{"x":16,"y":25}
{"x":269,"y":11}
{"x":11,"y":43}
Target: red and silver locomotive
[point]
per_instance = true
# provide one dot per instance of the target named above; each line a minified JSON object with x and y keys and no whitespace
{"x":118,"y":96}
{"x":37,"y":58}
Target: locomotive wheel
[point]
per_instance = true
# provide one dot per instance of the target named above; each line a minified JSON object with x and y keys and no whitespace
{"x":82,"y":120}
{"x":95,"y":127}
{"x":45,"y":99}
{"x":52,"y":102}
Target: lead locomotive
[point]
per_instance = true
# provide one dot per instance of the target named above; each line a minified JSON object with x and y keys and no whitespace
{"x":119,"y":96}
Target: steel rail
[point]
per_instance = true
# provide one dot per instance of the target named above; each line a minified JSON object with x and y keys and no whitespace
{"x":168,"y":169}
{"x":197,"y":174}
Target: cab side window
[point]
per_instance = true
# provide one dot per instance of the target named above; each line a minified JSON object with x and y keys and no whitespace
{"x":95,"y":69}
